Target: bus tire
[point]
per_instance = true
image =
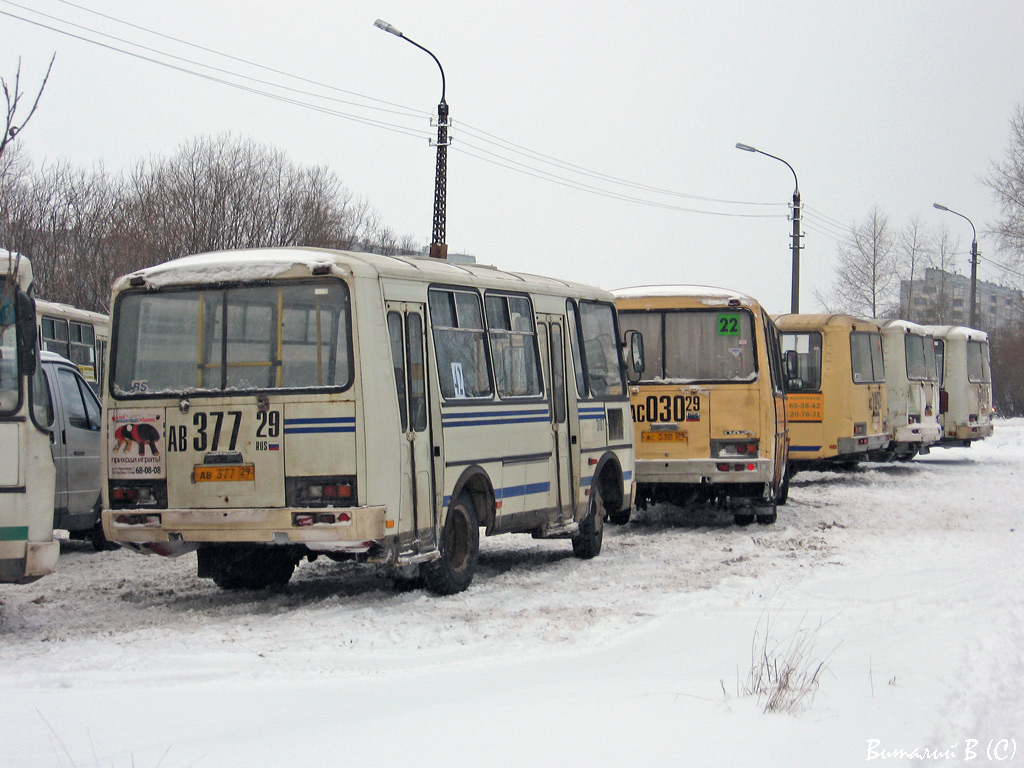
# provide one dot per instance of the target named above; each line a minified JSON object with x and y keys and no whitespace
{"x":256,"y":568}
{"x":768,"y":517}
{"x":619,"y":518}
{"x":453,"y":571}
{"x":783,"y":493}
{"x":587,"y":543}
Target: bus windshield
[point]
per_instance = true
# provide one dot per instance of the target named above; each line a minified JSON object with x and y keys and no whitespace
{"x":807,"y":349}
{"x":277,"y":337}
{"x":695,"y":345}
{"x":9,"y":378}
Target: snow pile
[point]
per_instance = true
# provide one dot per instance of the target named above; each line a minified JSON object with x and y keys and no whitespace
{"x":908,"y":573}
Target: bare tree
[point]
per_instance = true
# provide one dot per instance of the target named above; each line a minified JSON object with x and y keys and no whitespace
{"x":13,"y":95}
{"x":914,"y":246}
{"x":1006,"y":180}
{"x":866,"y":283}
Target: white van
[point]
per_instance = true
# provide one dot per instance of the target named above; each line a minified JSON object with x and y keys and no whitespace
{"x":65,"y":405}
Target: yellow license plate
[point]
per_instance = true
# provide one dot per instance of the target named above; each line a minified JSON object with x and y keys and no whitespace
{"x":663,"y":437}
{"x":230,"y":474}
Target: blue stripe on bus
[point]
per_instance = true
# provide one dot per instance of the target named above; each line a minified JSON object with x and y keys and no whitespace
{"x":320,"y":425}
{"x":512,"y":491}
{"x":495,"y":417}
{"x":592,"y":413}
{"x":804,"y":448}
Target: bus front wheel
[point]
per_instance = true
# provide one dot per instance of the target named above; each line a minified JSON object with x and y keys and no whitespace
{"x":453,"y":571}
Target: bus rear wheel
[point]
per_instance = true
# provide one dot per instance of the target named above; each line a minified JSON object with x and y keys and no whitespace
{"x":453,"y":571}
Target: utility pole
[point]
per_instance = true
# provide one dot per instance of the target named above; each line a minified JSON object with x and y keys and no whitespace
{"x":794,"y":298}
{"x":438,"y":247}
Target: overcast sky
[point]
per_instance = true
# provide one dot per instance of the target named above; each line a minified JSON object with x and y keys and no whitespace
{"x":895,"y":103}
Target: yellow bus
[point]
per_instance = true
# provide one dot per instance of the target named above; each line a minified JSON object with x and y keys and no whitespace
{"x":27,"y":474}
{"x":835,"y":389}
{"x":266,"y":406}
{"x":709,"y":408}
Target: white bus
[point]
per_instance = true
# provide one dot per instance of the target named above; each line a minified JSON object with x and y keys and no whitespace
{"x":965,"y":382}
{"x":27,"y":474}
{"x":77,"y":334}
{"x":911,"y":390}
{"x":269,"y":405}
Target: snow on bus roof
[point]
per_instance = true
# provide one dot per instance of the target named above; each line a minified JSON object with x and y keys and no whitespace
{"x":267,"y":263}
{"x":667,"y":291}
{"x":956,"y":332}
{"x":903,"y":325}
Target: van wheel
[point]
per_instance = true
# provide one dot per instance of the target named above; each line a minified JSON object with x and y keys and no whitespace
{"x":587,"y":543}
{"x":99,"y":540}
{"x":782,"y":495}
{"x":460,"y":546}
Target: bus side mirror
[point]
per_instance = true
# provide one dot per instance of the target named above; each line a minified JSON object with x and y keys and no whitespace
{"x":635,"y":341}
{"x":26,"y":333}
{"x":792,"y":364}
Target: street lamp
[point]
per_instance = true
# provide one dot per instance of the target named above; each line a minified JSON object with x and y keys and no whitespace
{"x":438,"y":248}
{"x":974,"y":263}
{"x":795,"y":293}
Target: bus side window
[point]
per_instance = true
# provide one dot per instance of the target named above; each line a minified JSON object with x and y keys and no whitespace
{"x":398,"y":363}
{"x":417,"y":372}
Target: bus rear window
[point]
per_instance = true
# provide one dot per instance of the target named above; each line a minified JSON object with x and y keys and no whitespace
{"x":268,"y":337}
{"x":920,"y":354}
{"x":696,"y":344}
{"x":866,"y":357}
{"x":977,"y":362}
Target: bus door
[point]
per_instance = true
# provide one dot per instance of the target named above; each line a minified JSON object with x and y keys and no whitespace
{"x":773,"y":346}
{"x":552,"y":343}
{"x":408,"y":356}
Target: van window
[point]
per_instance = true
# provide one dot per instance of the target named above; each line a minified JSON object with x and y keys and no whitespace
{"x":80,"y":405}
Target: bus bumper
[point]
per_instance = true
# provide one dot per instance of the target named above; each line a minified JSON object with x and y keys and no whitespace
{"x":973,"y":431}
{"x":703,"y":471}
{"x":22,"y":562}
{"x":924,"y":434}
{"x":176,"y":531}
{"x":863,"y":444}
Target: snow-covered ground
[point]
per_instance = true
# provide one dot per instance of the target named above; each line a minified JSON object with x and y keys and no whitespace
{"x":907,"y":581}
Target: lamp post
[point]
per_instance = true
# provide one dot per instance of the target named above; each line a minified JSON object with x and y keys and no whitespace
{"x":438,"y":248}
{"x":974,"y":263}
{"x":795,"y":292}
